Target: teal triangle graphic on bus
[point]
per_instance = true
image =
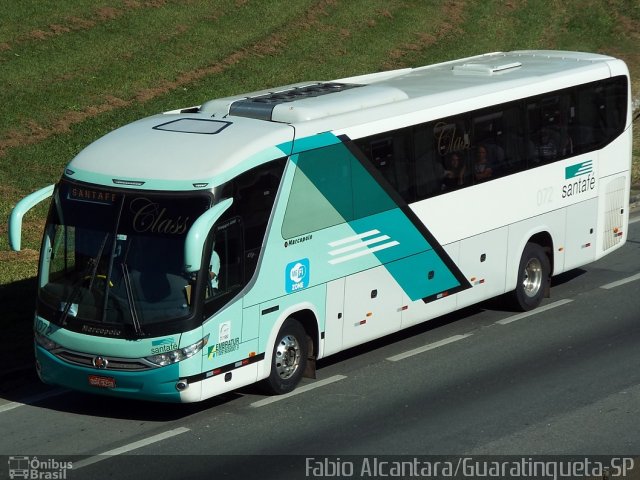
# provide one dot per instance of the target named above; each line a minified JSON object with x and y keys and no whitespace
{"x":381,"y":225}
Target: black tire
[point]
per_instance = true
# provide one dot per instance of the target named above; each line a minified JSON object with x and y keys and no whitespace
{"x":289,"y":358}
{"x":534,"y":273}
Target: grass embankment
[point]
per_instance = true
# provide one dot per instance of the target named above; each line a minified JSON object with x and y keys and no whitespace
{"x":75,"y":69}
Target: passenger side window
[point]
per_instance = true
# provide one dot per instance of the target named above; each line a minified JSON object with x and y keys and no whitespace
{"x":496,"y":143}
{"x":455,"y":152}
{"x":390,"y":155}
{"x":601,"y":113}
{"x":550,"y":129}
{"x":441,"y":156}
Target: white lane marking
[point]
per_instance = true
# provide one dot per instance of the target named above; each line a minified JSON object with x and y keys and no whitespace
{"x":520,"y":316}
{"x":31,"y":400}
{"x":127,"y":448}
{"x":637,"y":219}
{"x":617,"y":283}
{"x":430,"y":346}
{"x":353,"y":238}
{"x":299,"y":390}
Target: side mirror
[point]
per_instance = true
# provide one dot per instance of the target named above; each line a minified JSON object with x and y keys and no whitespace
{"x":197,"y":235}
{"x":22,"y":207}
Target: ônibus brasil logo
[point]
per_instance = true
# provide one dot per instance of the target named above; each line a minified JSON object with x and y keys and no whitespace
{"x":581,"y":178}
{"x":34,"y":468}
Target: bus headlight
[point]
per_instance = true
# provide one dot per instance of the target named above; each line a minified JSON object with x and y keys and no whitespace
{"x":178,"y":355}
{"x":45,"y":342}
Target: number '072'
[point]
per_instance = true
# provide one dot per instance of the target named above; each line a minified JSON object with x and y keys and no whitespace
{"x":545,"y":195}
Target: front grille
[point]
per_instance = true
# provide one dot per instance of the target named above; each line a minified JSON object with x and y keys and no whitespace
{"x":113,"y":363}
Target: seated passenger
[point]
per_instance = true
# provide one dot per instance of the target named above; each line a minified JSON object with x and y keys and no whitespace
{"x":547,"y":148}
{"x":566,"y":144}
{"x":454,"y":173}
{"x":482,"y":168}
{"x":430,"y":176}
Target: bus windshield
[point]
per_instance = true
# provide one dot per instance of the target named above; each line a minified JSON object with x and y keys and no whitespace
{"x":113,"y":260}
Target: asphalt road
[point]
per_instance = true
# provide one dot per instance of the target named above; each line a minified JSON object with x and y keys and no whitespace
{"x":564,"y":379}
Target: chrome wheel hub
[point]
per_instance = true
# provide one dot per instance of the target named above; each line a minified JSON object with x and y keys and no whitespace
{"x":287,"y":356}
{"x":532,"y":277}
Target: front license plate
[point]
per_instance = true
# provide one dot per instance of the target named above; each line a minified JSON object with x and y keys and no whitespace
{"x":102,"y":382}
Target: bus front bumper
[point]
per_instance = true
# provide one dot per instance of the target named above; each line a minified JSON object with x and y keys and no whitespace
{"x":158,"y":384}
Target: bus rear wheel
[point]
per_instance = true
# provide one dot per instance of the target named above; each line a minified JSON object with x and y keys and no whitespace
{"x":533,"y":277}
{"x":288,"y":359}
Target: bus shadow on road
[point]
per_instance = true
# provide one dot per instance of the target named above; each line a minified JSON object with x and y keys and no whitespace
{"x":17,"y":304}
{"x":567,"y":277}
{"x":80,"y":403}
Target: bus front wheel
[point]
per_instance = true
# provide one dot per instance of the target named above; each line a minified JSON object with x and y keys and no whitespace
{"x":288,"y":359}
{"x":533,"y":277}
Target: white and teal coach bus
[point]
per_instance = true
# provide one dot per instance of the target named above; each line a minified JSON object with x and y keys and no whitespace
{"x":200,"y":250}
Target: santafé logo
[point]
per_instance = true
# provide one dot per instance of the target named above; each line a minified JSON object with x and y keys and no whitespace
{"x":579,"y":178}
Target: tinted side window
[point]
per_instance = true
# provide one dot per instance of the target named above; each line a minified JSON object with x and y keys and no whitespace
{"x":496,"y":142}
{"x":455,"y":152}
{"x":441,"y":156}
{"x":601,"y":110}
{"x":390,"y":153}
{"x":550,"y":122}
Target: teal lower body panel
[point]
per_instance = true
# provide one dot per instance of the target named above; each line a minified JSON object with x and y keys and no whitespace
{"x":158,"y":384}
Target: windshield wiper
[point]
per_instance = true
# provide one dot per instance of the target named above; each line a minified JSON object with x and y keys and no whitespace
{"x":92,"y":266}
{"x":112,"y":256}
{"x":132,"y":308}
